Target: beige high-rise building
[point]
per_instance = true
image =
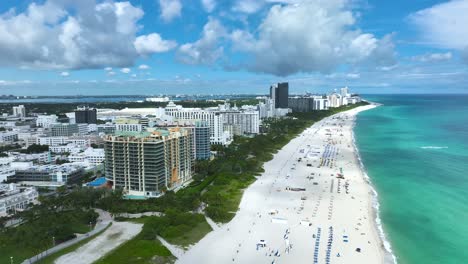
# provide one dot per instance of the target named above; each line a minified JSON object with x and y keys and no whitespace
{"x":145,"y":164}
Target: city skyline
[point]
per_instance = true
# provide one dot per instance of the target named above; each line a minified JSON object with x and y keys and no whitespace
{"x":58,"y":47}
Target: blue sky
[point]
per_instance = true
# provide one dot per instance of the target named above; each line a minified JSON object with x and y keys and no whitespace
{"x":66,"y":47}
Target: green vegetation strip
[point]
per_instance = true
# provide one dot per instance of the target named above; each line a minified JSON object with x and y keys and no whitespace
{"x":175,"y":227}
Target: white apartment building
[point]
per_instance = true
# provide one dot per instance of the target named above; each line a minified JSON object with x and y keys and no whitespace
{"x":13,"y":199}
{"x":51,"y":141}
{"x":5,"y":169}
{"x":58,"y":141}
{"x":90,"y":155}
{"x":46,"y":121}
{"x":213,"y":118}
{"x":129,"y":127}
{"x":335,"y":100}
{"x":43,"y":157}
{"x":8,"y":136}
{"x":343,"y":100}
{"x":247,"y":122}
{"x":19,"y":111}
{"x":69,"y":148}
{"x":344,"y":92}
{"x":320,"y":103}
{"x":83,"y":129}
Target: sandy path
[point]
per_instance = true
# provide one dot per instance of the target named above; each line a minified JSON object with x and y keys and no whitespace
{"x":114,"y":236}
{"x":326,"y":223}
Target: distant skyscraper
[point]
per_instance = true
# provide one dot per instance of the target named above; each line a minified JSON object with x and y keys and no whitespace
{"x":202,"y":140}
{"x":19,"y":111}
{"x":280,"y":93}
{"x":344,"y":91}
{"x":86,"y":115}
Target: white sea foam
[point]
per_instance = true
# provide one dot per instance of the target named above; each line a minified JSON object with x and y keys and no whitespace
{"x":434,"y":147}
{"x":389,"y":257}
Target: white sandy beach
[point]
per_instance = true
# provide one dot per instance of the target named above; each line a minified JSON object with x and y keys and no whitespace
{"x":325,"y":223}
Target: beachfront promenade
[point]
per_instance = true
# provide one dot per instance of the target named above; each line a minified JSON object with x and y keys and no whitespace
{"x":311,"y":205}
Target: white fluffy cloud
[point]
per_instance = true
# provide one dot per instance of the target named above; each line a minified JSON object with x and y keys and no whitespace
{"x":206,"y":50}
{"x":444,"y":25}
{"x":143,"y":67}
{"x":313,"y":35}
{"x":153,"y":43}
{"x":65,"y":34}
{"x":208,"y":5}
{"x":125,"y":70}
{"x":64,"y":74}
{"x":433,"y":57}
{"x":248,"y":6}
{"x":253,"y":6}
{"x":170,"y":9}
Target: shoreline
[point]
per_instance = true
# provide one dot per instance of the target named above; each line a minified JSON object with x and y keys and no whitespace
{"x":271,"y":205}
{"x":374,"y":206}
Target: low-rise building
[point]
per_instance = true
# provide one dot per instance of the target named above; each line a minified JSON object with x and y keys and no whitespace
{"x":90,"y":155}
{"x":43,"y":157}
{"x":128,"y":125}
{"x":46,"y":120}
{"x":107,"y":129}
{"x":64,"y":130}
{"x":8,"y":136}
{"x":65,"y":173}
{"x":14,"y":199}
{"x":6,"y":170}
{"x":69,"y":148}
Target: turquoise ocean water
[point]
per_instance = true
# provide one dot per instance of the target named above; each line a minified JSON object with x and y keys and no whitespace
{"x":415,"y":151}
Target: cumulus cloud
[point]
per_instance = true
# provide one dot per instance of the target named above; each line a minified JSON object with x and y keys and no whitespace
{"x":108,"y":69}
{"x":433,"y":57}
{"x":170,"y":9}
{"x":64,"y":74}
{"x":248,"y":6}
{"x":125,"y":70}
{"x":253,"y":6}
{"x":153,"y":43}
{"x":444,"y":25}
{"x":143,"y":67}
{"x":206,"y":50}
{"x":311,"y":36}
{"x":208,"y":5}
{"x":65,"y":34}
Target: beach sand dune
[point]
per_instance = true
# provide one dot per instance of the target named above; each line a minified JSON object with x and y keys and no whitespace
{"x":316,"y":210}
